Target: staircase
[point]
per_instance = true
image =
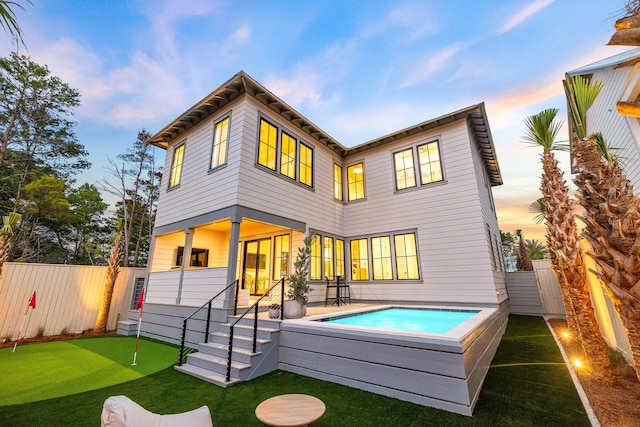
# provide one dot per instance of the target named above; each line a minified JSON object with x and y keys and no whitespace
{"x":209,"y":363}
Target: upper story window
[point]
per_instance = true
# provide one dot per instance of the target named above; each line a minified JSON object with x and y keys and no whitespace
{"x":288,"y":156}
{"x":267,"y":145}
{"x":220,"y":143}
{"x":176,"y":166}
{"x":337,"y":182}
{"x":355,"y":182}
{"x":306,"y":165}
{"x":283,"y":153}
{"x":429,"y":165}
{"x":405,"y":170}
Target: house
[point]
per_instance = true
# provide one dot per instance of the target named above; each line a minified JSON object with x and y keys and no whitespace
{"x":406,"y":218}
{"x":616,"y":114}
{"x":616,"y":111}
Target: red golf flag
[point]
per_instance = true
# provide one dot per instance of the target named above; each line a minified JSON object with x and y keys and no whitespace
{"x":140,"y":300}
{"x":32,"y":301}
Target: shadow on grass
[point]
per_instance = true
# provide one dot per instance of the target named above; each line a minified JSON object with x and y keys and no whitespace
{"x":528,"y":385}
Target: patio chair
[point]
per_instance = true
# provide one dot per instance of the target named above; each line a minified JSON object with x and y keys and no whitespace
{"x":120,"y":411}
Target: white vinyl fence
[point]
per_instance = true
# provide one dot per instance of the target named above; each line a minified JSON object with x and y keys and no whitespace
{"x":67,"y":297}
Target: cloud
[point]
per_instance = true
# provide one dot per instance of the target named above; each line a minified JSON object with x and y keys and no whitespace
{"x":545,"y":91}
{"x":240,"y":35}
{"x":523,"y":14}
{"x":434,"y":63}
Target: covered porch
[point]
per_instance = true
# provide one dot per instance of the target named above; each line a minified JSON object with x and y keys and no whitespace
{"x":191,"y":261}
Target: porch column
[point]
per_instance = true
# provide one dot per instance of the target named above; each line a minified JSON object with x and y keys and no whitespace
{"x":186,"y":258}
{"x":234,"y":239}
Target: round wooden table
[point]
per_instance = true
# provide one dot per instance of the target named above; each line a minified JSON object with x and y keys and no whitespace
{"x":290,"y":410}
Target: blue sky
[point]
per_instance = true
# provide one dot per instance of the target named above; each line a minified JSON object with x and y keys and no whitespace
{"x":358,"y":69}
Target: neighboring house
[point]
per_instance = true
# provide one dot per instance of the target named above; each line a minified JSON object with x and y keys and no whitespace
{"x":616,"y":114}
{"x":407,"y":217}
{"x":616,"y":111}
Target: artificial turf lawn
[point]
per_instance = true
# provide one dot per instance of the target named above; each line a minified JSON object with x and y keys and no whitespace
{"x":60,"y":368}
{"x":527,"y":385}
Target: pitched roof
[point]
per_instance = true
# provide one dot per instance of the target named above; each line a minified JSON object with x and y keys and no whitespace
{"x":621,"y":59}
{"x":241,"y":84}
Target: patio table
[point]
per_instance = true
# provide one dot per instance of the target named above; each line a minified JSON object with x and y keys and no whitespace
{"x":290,"y":410}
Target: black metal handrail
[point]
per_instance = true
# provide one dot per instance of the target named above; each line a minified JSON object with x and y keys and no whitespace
{"x":206,"y":333}
{"x":254,"y":307}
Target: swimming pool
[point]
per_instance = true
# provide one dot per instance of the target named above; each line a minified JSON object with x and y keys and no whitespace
{"x":442,"y":370}
{"x":405,"y":319}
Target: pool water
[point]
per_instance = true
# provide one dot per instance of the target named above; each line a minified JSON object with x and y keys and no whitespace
{"x":406,"y":319}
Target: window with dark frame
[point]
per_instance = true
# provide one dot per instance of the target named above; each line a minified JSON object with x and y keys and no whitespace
{"x":295,"y":159}
{"x":220,"y":143}
{"x":199,"y":257}
{"x":176,"y":166}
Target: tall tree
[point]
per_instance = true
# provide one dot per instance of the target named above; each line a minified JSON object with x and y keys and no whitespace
{"x":137,"y":177}
{"x":563,"y":243}
{"x":611,"y":213}
{"x":523,"y":256}
{"x":9,"y":223}
{"x":113,"y":269}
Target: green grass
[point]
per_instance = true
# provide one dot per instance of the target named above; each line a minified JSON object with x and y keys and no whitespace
{"x":527,"y":385}
{"x":55,"y":369}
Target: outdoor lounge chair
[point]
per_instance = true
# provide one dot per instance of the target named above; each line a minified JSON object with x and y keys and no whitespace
{"x":120,"y":411}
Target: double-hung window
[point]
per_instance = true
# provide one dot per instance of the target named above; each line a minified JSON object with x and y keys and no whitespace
{"x":176,"y":166}
{"x":355,"y":182}
{"x":359,"y":260}
{"x":288,"y":156}
{"x":406,"y":256}
{"x":405,"y":170}
{"x":306,"y":165}
{"x":220,"y":143}
{"x":428,"y":165}
{"x":267,"y":145}
{"x":337,"y":182}
{"x":285,"y":154}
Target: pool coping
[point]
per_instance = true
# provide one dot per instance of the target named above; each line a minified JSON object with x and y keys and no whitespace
{"x":457,"y":338}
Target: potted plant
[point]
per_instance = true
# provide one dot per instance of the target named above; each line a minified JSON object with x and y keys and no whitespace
{"x":296,"y":304}
{"x":274,"y":311}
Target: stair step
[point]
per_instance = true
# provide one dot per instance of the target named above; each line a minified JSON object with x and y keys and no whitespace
{"x":206,"y":375}
{"x":240,"y":354}
{"x":239,"y":341}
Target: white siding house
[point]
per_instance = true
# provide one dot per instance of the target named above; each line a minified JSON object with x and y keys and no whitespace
{"x":616,"y":111}
{"x":407,"y":217}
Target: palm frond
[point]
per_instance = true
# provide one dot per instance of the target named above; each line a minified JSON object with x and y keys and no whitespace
{"x":9,"y":223}
{"x":581,"y":94}
{"x":604,"y":148}
{"x":538,"y":208}
{"x":542,"y":129}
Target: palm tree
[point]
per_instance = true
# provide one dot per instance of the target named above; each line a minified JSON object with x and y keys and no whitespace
{"x":525,"y":264}
{"x":9,"y":223}
{"x":612,"y":218}
{"x":8,"y":19}
{"x":113,"y":268}
{"x":535,"y":249}
{"x":563,"y":243}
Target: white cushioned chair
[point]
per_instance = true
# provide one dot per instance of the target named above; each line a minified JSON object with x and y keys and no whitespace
{"x":120,"y":411}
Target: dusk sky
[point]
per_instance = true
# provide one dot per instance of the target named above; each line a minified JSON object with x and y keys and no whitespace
{"x":358,"y":69}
